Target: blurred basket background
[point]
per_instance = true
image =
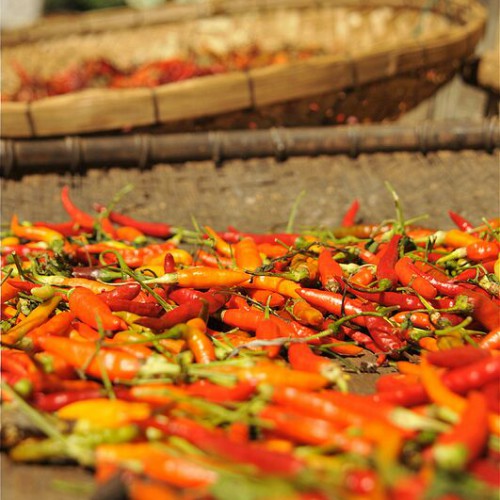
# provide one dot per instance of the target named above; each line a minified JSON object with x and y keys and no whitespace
{"x":367,"y":61}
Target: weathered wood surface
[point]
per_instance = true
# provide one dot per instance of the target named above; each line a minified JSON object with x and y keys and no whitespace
{"x":258,"y":194}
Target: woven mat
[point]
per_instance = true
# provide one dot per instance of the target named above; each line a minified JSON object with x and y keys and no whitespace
{"x":259,"y":194}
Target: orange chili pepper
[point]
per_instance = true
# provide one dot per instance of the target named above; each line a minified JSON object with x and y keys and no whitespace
{"x":198,"y":342}
{"x":246,"y":254}
{"x":34,"y":233}
{"x":274,"y":284}
{"x":306,"y":314}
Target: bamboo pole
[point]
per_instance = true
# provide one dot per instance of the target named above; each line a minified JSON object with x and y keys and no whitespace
{"x":18,"y":157}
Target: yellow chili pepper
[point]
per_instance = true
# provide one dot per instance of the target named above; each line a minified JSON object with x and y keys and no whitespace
{"x":105,"y":412}
{"x":34,"y":233}
{"x":36,"y":318}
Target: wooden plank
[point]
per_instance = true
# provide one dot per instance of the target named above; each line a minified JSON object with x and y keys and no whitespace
{"x":15,"y":120}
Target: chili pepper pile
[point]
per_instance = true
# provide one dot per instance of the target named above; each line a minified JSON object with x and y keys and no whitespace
{"x":102,"y":73}
{"x":204,"y":364}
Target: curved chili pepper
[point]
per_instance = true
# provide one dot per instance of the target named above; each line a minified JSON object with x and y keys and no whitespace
{"x":57,"y":325}
{"x":80,"y":217}
{"x":386,"y":272}
{"x":461,"y":223}
{"x":89,"y":308}
{"x":349,"y":217}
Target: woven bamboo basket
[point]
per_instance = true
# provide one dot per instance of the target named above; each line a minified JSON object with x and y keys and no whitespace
{"x":373,"y":60}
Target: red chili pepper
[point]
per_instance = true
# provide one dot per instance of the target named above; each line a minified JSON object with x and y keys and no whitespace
{"x":329,"y":270}
{"x":287,"y":239}
{"x":486,"y":470}
{"x":149,"y":309}
{"x":89,"y":308}
{"x":386,"y":273}
{"x":405,"y":301}
{"x":334,"y":303}
{"x":155,"y":229}
{"x":24,"y":286}
{"x":127,"y":291}
{"x":482,"y":250}
{"x":465,"y":442}
{"x":462,"y":223}
{"x":457,"y":357}
{"x":80,"y":217}
{"x":211,"y":441}
{"x":349,"y":217}
{"x":67,"y":229}
{"x":491,"y":340}
{"x":409,"y":277}
{"x":242,"y":391}
{"x":268,"y":330}
{"x":301,"y":357}
{"x":363,"y":277}
{"x":57,"y":400}
{"x":169,"y":263}
{"x":267,"y":298}
{"x":384,"y":334}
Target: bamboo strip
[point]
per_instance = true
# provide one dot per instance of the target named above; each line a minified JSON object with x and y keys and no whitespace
{"x":15,"y":120}
{"x":203,"y":97}
{"x":19,"y":157}
{"x":91,"y":110}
